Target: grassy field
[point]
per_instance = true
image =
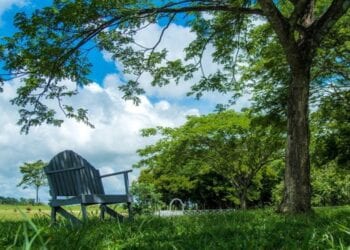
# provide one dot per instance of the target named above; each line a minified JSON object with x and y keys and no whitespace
{"x":326,"y":228}
{"x":20,"y":212}
{"x":23,"y":212}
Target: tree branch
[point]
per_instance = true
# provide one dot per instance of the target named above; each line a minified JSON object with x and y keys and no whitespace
{"x":164,"y":9}
{"x":303,"y":11}
{"x":322,"y":25}
{"x":279,"y":23}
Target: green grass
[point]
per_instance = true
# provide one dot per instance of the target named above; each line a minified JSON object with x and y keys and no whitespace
{"x":15,"y":212}
{"x":326,"y":228}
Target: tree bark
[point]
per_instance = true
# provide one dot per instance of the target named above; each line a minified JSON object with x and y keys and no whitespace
{"x":243,"y":201}
{"x":297,"y":193}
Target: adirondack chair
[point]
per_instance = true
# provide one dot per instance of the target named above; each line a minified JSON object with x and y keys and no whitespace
{"x":73,"y":180}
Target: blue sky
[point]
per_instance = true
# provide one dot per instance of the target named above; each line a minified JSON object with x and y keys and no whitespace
{"x":112,"y":145}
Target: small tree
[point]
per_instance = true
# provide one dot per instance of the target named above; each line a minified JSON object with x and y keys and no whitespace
{"x":147,"y":198}
{"x":33,"y":176}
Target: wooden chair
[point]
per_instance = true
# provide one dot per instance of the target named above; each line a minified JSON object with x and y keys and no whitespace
{"x":73,"y":180}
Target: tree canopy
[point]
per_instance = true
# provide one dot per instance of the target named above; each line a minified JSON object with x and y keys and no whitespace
{"x":215,"y":160}
{"x":52,"y":45}
{"x":33,"y":176}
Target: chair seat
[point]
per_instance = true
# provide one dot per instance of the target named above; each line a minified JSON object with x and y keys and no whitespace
{"x":104,"y":198}
{"x":89,"y":199}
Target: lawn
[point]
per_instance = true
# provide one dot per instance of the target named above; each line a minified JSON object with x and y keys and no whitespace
{"x":20,"y":212}
{"x":325,"y":228}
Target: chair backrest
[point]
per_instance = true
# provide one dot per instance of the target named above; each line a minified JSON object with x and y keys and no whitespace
{"x":69,"y":174}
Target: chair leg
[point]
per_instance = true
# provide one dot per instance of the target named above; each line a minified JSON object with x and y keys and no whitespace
{"x":102,"y":212}
{"x":53,"y":215}
{"x":113,"y":213}
{"x":84,"y":212}
{"x":130,"y":211}
{"x":68,"y":216}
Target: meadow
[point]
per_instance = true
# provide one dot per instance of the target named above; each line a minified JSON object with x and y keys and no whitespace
{"x":324,"y":228}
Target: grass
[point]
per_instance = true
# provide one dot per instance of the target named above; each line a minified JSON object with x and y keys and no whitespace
{"x":15,"y":212}
{"x":326,"y":228}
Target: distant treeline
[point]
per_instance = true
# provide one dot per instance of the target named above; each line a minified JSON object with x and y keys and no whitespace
{"x":14,"y":201}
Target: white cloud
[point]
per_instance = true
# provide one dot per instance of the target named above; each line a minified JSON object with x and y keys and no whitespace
{"x":8,"y":4}
{"x":175,"y":40}
{"x":110,"y":146}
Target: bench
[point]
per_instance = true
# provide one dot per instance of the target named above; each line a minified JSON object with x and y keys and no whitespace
{"x":73,"y":180}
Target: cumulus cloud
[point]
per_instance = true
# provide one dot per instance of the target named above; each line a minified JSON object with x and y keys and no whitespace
{"x":175,"y":40}
{"x":111,"y":146}
{"x":8,"y":4}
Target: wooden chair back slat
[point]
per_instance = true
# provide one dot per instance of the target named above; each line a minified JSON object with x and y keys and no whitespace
{"x":80,"y":178}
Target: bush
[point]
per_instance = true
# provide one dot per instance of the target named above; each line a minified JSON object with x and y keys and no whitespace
{"x":147,"y":199}
{"x":330,"y":185}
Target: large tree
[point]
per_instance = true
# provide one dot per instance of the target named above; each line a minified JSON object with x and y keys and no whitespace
{"x":51,"y":45}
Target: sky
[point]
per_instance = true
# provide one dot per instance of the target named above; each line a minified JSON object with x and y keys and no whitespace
{"x":111,"y":146}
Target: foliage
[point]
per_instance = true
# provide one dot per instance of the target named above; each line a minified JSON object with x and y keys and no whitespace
{"x":327,"y":228}
{"x":146,"y":198}
{"x":33,"y":176}
{"x":330,"y":149}
{"x":331,"y":130}
{"x":52,"y":45}
{"x":14,"y":201}
{"x":330,"y":185}
{"x":222,"y":156}
{"x":266,"y":70}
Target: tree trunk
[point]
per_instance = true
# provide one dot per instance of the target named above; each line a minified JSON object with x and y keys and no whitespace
{"x":297,"y":193}
{"x":243,"y":201}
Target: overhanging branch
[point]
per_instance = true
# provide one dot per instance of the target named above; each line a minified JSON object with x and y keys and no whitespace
{"x":280,"y":24}
{"x":322,"y":25}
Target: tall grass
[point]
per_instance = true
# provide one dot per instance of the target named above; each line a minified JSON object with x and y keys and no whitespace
{"x":326,"y":228}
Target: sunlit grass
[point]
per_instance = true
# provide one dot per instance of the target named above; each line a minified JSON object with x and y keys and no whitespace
{"x":22,"y":212}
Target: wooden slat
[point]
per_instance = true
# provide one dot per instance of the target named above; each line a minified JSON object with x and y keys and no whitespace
{"x":65,"y":202}
{"x":54,"y":184}
{"x":62,"y":170}
{"x":69,"y":184}
{"x":78,"y":182}
{"x":104,"y":199}
{"x":84,"y":182}
{"x":99,"y":181}
{"x":90,"y":181}
{"x":102,"y":212}
{"x":126,"y":183}
{"x":68,"y":216}
{"x":94,"y":173}
{"x":116,"y":173}
{"x":113,"y":213}
{"x":84,"y":212}
{"x":58,"y":178}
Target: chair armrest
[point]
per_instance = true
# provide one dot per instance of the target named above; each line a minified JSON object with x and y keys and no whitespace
{"x":62,"y":170}
{"x":126,"y":178}
{"x":116,"y":173}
